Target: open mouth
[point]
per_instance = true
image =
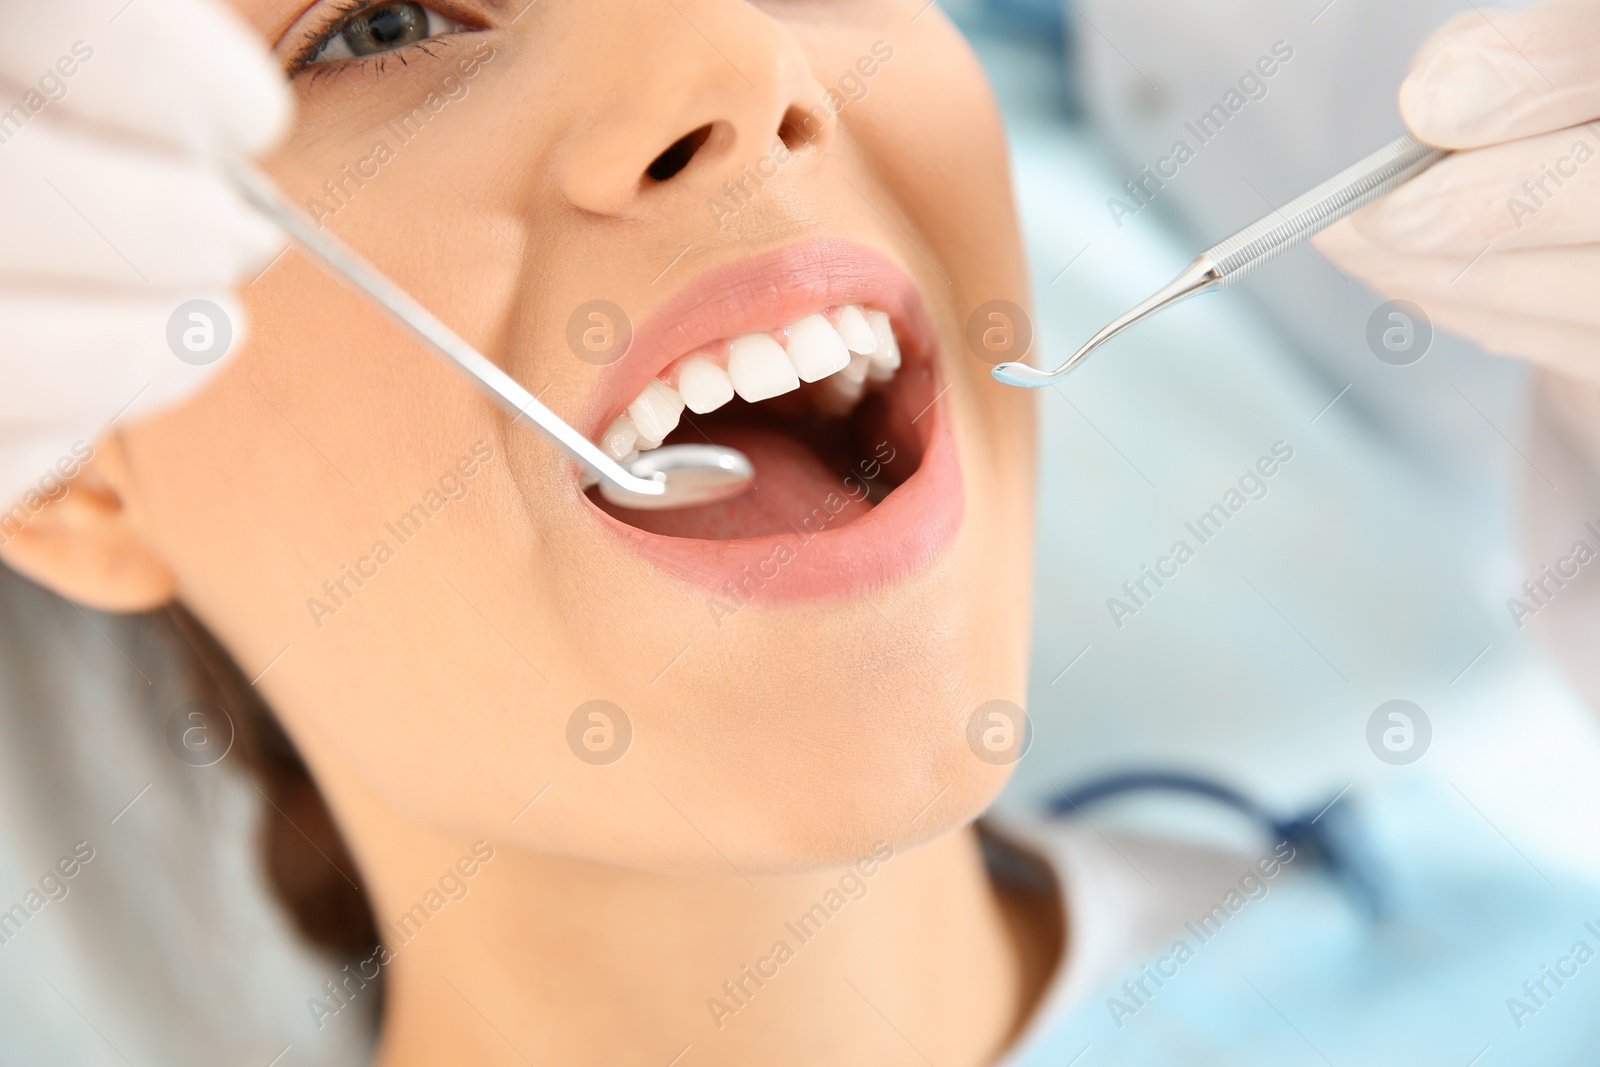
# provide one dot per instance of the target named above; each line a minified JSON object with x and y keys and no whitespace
{"x":826,"y":407}
{"x":817,"y":360}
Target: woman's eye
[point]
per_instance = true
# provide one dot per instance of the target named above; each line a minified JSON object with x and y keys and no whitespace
{"x":384,"y":27}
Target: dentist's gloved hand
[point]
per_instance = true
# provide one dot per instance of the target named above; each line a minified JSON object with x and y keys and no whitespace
{"x":1501,"y":242}
{"x":111,"y":217}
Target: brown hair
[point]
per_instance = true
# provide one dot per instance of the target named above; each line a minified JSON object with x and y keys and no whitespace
{"x":307,"y":863}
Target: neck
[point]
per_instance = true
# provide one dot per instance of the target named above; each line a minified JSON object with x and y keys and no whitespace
{"x":538,"y":958}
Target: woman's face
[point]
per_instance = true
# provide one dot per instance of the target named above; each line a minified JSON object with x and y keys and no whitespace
{"x":589,"y":193}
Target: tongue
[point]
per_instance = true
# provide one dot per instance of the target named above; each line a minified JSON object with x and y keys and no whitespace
{"x":791,"y":485}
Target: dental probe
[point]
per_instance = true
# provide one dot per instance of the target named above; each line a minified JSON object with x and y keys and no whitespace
{"x":672,"y":476}
{"x":1223,"y":264}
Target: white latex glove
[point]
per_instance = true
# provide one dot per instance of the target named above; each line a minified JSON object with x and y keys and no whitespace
{"x":111,"y":218}
{"x":1508,"y":264}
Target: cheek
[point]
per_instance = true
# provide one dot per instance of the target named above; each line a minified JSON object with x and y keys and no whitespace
{"x":308,"y":450}
{"x":932,"y":127}
{"x":331,"y":422}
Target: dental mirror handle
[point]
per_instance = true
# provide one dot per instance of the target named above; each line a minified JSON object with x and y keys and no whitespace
{"x":1231,"y":259}
{"x":258,"y":189}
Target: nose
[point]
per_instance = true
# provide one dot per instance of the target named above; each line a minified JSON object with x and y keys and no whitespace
{"x":701,"y":83}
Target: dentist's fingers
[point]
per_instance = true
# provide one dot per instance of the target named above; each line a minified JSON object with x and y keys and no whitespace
{"x":1500,"y":243}
{"x":1553,"y":284}
{"x":1558,"y":346}
{"x":38,"y":463}
{"x":185,"y":73}
{"x":1530,"y":193}
{"x":1450,"y":30}
{"x":119,"y":244}
{"x":1459,"y":299}
{"x":74,"y":362}
{"x":1514,"y":75}
{"x":87,"y":213}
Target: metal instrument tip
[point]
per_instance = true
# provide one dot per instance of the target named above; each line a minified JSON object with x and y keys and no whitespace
{"x":1020,"y":374}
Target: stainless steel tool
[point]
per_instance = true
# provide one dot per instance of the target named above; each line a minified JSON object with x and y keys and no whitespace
{"x":672,"y":476}
{"x":1223,"y":264}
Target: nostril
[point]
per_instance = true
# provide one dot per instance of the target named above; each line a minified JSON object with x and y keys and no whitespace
{"x":798,"y":129}
{"x":678,"y":154}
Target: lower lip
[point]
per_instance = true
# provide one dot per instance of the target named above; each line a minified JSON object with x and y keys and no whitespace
{"x":902,"y":535}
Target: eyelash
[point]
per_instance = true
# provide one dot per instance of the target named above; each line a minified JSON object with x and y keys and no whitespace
{"x":318,"y":39}
{"x":334,"y":23}
{"x":337,"y":68}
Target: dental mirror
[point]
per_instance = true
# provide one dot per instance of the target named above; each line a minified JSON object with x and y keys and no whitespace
{"x":695,"y":474}
{"x":673,"y":476}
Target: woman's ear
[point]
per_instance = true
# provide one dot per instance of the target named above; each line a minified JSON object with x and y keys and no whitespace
{"x":84,"y":544}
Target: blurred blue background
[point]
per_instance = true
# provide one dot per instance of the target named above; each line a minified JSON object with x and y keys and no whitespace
{"x":1378,"y":564}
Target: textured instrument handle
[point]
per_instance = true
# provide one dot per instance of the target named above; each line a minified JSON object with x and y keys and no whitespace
{"x":1345,"y":192}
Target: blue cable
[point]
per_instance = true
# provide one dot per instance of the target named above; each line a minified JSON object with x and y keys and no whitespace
{"x":1329,"y":836}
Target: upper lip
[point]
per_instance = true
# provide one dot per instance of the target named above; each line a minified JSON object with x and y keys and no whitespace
{"x":760,"y":292}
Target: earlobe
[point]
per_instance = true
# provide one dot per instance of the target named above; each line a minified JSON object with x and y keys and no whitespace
{"x":84,"y":545}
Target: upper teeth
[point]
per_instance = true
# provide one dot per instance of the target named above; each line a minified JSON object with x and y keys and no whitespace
{"x":703,"y":385}
{"x":845,"y":350}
